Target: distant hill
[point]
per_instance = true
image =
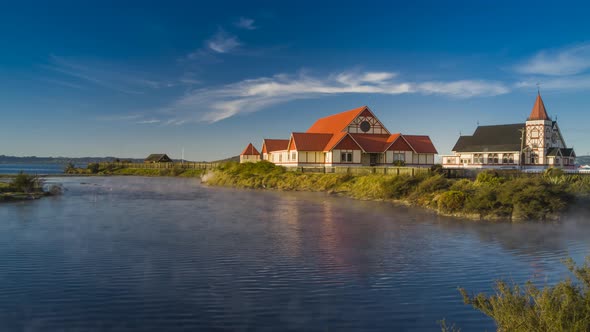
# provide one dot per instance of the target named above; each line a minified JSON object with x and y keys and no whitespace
{"x":59,"y":160}
{"x":583,"y":160}
{"x":234,"y":158}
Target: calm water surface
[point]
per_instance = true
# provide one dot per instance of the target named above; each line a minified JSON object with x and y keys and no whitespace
{"x":44,"y":169}
{"x":167,"y":254}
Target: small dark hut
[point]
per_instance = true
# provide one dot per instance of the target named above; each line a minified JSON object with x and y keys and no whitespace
{"x":157,"y":158}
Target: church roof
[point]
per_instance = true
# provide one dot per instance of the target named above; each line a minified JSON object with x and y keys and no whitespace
{"x":336,"y":123}
{"x":250,"y":150}
{"x":539,"y":112}
{"x":552,"y":152}
{"x":492,"y":138}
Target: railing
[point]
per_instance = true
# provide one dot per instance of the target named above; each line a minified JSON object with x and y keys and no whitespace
{"x":183,"y":165}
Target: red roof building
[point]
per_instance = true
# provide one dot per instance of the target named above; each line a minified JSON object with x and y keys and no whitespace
{"x":250,"y":154}
{"x":354,"y":137}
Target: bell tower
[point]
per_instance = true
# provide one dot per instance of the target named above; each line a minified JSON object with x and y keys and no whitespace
{"x":539,"y":132}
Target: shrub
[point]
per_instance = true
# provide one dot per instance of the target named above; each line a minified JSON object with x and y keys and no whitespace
{"x":437,"y":169}
{"x":563,"y":307}
{"x":488,"y":177}
{"x":433,"y":184}
{"x":70,"y":168}
{"x":26,"y":183}
{"x":93,"y":168}
{"x":399,"y":163}
{"x":451,"y":201}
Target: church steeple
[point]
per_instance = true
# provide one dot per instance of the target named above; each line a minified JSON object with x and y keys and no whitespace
{"x":538,"y":112}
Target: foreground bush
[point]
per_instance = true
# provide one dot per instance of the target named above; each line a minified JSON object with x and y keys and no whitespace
{"x":563,"y":307}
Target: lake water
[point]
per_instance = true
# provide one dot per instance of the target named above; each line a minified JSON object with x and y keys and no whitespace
{"x":167,"y":254}
{"x":41,"y":169}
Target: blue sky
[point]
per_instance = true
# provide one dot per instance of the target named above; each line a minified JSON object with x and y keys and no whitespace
{"x":112,"y":79}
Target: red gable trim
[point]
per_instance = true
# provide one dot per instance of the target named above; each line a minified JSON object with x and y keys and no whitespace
{"x":399,"y":144}
{"x":346,"y":143}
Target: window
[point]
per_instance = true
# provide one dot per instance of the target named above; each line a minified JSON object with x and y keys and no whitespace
{"x":346,"y":157}
{"x":401,"y":157}
{"x":493,"y":158}
{"x":294,"y":156}
{"x":535,"y":133}
{"x":280,"y":157}
{"x":534,"y":158}
{"x":505,"y":159}
{"x":566,"y":161}
{"x":511,"y":159}
{"x":478,"y":158}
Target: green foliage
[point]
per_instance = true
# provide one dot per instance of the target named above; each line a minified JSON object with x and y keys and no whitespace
{"x":451,"y":201}
{"x":26,"y":183}
{"x":437,"y":169}
{"x":399,"y":163}
{"x":563,"y":307}
{"x":488,"y":177}
{"x":70,"y":168}
{"x":93,"y":168}
{"x":553,"y":172}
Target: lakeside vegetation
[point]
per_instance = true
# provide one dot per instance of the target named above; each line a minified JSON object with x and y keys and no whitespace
{"x":563,"y":307}
{"x":112,"y":169}
{"x":491,"y":196}
{"x":25,"y":187}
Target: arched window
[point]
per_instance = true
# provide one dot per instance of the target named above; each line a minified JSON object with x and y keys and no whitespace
{"x":511,"y":159}
{"x":534,"y":158}
{"x":504,"y":159}
{"x":478,"y":158}
{"x":493,"y":158}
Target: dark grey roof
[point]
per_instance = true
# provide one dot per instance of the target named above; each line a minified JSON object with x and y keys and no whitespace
{"x":552,"y":152}
{"x":492,"y":138}
{"x":157,"y":157}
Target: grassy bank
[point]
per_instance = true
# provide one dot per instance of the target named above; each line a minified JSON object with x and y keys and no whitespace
{"x":25,"y":187}
{"x":489,"y":197}
{"x":109,"y":169}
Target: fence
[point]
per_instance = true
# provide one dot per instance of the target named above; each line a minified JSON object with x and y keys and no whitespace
{"x":183,"y":165}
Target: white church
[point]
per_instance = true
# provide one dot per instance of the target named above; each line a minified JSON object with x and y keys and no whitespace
{"x":535,"y":145}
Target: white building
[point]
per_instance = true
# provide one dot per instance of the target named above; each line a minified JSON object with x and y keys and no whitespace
{"x":351,"y":138}
{"x":536,"y":144}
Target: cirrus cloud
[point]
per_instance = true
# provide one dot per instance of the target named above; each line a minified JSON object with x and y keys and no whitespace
{"x":252,"y":95}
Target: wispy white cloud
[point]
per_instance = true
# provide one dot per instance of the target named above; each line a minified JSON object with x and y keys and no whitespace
{"x":150,"y":121}
{"x":577,"y":82}
{"x":100,"y":74}
{"x":560,"y":62}
{"x":215,"y":104}
{"x":245,"y":23}
{"x":223,"y":42}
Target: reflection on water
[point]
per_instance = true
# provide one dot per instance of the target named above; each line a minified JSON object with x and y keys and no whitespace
{"x":124,"y":253}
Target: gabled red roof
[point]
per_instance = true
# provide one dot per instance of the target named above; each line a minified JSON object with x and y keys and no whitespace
{"x":336,"y":123}
{"x":420,"y":143}
{"x":344,"y":142}
{"x":372,"y":143}
{"x":399,"y":143}
{"x":539,"y":112}
{"x":311,"y":141}
{"x":271,"y":145}
{"x":250,"y":150}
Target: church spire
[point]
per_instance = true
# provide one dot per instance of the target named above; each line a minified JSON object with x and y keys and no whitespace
{"x":539,"y":112}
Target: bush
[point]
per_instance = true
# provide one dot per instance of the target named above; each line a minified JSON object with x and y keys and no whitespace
{"x":451,"y":201}
{"x":563,"y":307}
{"x":26,"y":183}
{"x":93,"y":168}
{"x":488,"y":177}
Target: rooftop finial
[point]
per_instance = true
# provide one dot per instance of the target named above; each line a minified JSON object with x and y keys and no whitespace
{"x":538,"y":88}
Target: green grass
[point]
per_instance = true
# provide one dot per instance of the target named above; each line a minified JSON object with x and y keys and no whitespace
{"x":490,"y":196}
